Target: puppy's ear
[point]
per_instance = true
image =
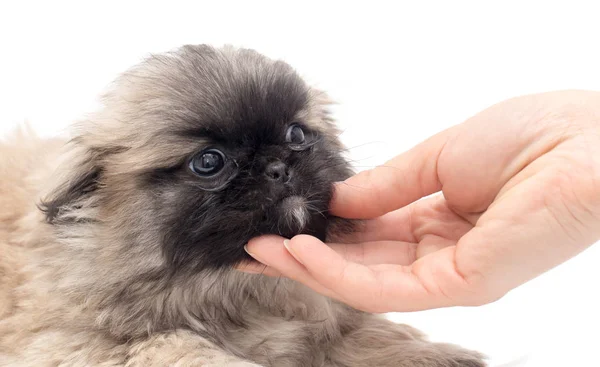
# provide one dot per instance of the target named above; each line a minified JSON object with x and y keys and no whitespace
{"x":78,"y":178}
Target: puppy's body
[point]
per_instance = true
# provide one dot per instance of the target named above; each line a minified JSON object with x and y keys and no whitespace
{"x":129,"y":262}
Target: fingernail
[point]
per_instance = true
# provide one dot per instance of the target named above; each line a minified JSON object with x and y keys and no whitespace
{"x":286,"y":244}
{"x":251,"y":271}
{"x":251,"y":254}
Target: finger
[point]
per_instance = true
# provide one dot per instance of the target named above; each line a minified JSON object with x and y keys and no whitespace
{"x":269,"y":250}
{"x":402,"y":180}
{"x":430,"y":216}
{"x":432,"y":243}
{"x":475,"y":164}
{"x":377,"y":288}
{"x":470,"y":164}
{"x":393,"y":226}
{"x":254,"y":267}
{"x":377,"y":252}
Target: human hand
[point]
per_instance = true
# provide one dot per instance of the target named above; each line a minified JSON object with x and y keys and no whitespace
{"x":518,"y":192}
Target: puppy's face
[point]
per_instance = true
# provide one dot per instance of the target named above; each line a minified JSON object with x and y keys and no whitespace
{"x":203,"y":149}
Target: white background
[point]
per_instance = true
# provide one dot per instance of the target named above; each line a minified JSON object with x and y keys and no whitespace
{"x":400,"y":72}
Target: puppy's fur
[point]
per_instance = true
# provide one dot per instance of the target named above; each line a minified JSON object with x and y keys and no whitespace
{"x":116,"y":253}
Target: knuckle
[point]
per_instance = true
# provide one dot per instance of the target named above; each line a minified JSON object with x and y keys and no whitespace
{"x":478,"y":293}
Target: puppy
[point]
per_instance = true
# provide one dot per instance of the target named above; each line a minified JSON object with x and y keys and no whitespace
{"x":118,"y":249}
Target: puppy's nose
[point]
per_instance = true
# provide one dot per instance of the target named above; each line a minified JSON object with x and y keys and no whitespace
{"x":278,"y":171}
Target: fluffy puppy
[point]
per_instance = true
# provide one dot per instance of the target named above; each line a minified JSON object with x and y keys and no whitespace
{"x":118,"y":250}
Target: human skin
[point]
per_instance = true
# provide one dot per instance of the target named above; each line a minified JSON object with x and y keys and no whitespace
{"x":516,"y":191}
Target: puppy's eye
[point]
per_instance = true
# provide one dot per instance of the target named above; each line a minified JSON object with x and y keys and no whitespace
{"x":295,"y":135}
{"x":208,"y":162}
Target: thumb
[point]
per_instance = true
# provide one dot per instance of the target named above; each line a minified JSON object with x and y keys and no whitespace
{"x":400,"y":181}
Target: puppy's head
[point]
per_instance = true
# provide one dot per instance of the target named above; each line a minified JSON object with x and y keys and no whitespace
{"x":197,"y":151}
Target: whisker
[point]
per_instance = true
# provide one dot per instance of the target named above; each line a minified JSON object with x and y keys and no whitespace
{"x":263,"y":269}
{"x":385,"y":166}
{"x":354,"y":186}
{"x":364,"y":144}
{"x":276,"y":285}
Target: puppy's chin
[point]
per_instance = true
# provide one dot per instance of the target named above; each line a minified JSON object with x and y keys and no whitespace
{"x":295,"y":216}
{"x":294,"y":212}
